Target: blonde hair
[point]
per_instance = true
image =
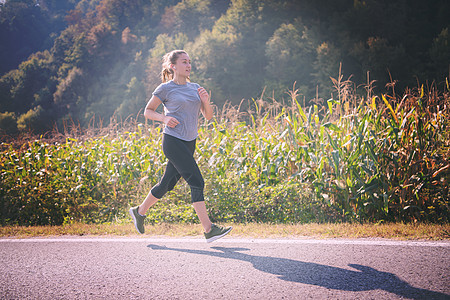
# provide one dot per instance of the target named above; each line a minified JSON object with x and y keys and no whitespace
{"x":170,"y":59}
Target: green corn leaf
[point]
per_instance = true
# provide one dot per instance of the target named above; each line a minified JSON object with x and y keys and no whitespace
{"x":332,"y":126}
{"x":390,"y":108}
{"x":330,"y":107}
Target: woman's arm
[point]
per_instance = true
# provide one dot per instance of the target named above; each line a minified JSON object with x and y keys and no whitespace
{"x":151,"y":114}
{"x":206,"y":108}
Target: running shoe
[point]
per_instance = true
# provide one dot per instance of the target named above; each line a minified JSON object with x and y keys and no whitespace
{"x":137,"y":219}
{"x":216,"y":232}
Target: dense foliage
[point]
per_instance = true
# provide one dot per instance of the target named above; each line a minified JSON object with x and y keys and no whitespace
{"x":87,"y":60}
{"x":353,"y":158}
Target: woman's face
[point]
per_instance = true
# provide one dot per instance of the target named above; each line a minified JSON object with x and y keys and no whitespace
{"x":183,"y":65}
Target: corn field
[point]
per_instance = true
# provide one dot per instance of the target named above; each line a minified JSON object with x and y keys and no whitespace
{"x":352,"y":158}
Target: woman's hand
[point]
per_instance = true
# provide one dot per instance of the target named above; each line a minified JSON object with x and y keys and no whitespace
{"x":171,"y":121}
{"x":204,"y":96}
{"x":206,"y":107}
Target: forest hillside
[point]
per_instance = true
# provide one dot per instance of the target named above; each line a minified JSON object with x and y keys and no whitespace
{"x":85,"y":61}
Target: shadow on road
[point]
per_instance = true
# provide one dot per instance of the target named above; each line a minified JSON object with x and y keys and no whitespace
{"x":363,"y":279}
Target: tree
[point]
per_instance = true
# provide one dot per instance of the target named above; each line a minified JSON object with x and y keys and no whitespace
{"x":134,"y":101}
{"x":35,"y":120}
{"x":380,"y":59}
{"x":230,"y":58}
{"x":32,"y":76}
{"x":66,"y":94}
{"x":8,"y":123}
{"x":192,"y":16}
{"x":326,"y":66}
{"x":120,"y":14}
{"x":440,"y":56}
{"x":290,"y":55}
{"x":6,"y":83}
{"x":25,"y":28}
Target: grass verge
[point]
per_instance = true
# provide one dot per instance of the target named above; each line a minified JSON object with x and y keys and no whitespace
{"x":397,"y":231}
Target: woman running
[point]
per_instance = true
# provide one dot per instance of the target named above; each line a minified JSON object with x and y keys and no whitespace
{"x":183,"y":101}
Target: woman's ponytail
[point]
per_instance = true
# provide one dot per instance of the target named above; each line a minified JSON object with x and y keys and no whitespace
{"x":169,"y":59}
{"x":166,"y":74}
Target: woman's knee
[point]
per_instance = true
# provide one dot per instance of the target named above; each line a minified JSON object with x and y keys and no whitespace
{"x":194,"y":180}
{"x":197,"y":195}
{"x":172,"y":183}
{"x":159,"y":191}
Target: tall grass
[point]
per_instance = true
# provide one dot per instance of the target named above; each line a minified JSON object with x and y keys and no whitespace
{"x":353,"y":157}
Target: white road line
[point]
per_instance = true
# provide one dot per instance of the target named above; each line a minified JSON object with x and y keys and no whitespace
{"x":360,"y":242}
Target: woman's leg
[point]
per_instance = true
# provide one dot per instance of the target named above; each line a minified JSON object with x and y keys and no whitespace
{"x":202,"y":213}
{"x":148,"y":202}
{"x":167,"y":183}
{"x":181,"y":164}
{"x":180,"y":154}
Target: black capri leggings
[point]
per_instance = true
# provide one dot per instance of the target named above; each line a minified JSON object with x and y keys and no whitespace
{"x":181,"y":164}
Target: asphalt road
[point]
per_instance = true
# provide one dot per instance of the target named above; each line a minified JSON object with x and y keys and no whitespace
{"x":159,"y":268}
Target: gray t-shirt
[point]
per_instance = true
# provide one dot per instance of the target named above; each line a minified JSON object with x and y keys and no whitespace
{"x":183,"y":103}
